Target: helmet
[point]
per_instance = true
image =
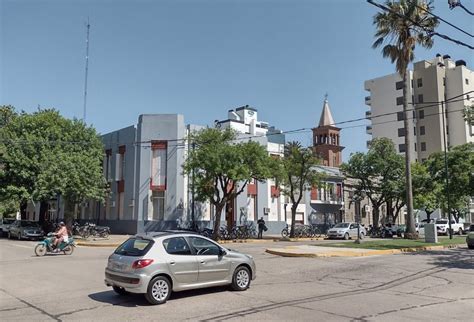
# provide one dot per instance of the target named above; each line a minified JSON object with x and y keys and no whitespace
{"x":61,"y":223}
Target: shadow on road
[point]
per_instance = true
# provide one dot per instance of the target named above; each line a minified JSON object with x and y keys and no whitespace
{"x":461,"y":258}
{"x":136,"y":300}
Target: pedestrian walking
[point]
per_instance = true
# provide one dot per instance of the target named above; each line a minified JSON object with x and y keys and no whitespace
{"x":261,"y":227}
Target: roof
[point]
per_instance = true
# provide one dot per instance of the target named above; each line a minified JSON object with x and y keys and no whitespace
{"x":326,"y":116}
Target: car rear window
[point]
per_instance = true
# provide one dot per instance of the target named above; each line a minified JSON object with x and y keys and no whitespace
{"x":134,"y":247}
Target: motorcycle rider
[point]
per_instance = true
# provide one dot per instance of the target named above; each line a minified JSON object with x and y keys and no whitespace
{"x":61,"y":235}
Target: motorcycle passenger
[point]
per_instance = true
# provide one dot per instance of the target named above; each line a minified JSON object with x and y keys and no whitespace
{"x":61,"y":235}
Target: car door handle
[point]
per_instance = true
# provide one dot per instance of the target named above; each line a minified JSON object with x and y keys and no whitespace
{"x":172,"y":263}
{"x":203,"y":262}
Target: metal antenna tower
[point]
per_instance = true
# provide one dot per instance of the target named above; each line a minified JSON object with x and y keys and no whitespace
{"x":88,"y":26}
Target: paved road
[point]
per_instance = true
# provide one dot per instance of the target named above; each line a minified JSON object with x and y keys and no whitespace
{"x":424,"y":286}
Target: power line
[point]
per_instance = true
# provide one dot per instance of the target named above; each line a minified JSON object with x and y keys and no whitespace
{"x":446,"y":22}
{"x":147,"y":144}
{"x":428,"y":31}
{"x":457,"y":3}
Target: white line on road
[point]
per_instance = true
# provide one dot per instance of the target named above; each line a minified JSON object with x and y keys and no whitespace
{"x":23,"y":246}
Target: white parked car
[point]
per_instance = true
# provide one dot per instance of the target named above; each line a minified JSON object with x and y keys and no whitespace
{"x":346,"y":230}
{"x":442,"y":227}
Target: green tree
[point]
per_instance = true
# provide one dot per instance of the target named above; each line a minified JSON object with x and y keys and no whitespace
{"x":468,"y":114}
{"x":378,"y":173}
{"x":297,"y":174}
{"x":45,"y":154}
{"x":223,"y":167}
{"x":461,"y":177}
{"x":404,"y":25}
{"x":426,"y":191}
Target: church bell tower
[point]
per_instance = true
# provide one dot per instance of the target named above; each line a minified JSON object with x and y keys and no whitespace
{"x":326,"y":138}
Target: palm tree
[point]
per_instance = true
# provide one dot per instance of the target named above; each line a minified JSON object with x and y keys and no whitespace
{"x":403,"y":25}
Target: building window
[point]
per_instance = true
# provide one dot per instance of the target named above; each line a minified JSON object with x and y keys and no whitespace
{"x":420,"y":98}
{"x":158,"y":204}
{"x":108,"y":165}
{"x":400,"y":116}
{"x":401,"y":132}
{"x":423,"y":160}
{"x":467,"y":81}
{"x":120,"y":202}
{"x":422,"y":130}
{"x":468,"y":97}
{"x":400,"y":100}
{"x":414,"y":128}
{"x":120,"y":164}
{"x":421,"y":114}
{"x":419,"y":82}
{"x":423,"y":146}
{"x":415,"y":147}
{"x":401,"y":148}
{"x":411,"y":83}
{"x":158,"y":165}
{"x":399,"y":85}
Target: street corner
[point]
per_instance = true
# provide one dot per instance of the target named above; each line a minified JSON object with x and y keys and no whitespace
{"x":321,"y":251}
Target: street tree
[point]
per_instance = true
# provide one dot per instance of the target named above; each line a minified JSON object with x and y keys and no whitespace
{"x":460,"y":161}
{"x":426,"y":191}
{"x":405,"y":24}
{"x":45,"y":154}
{"x":377,"y":172}
{"x":223,"y":167}
{"x":296,"y":175}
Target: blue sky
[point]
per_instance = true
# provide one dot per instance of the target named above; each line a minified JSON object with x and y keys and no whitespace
{"x":201,"y":58}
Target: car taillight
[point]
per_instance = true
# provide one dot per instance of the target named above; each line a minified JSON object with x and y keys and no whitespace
{"x":141,"y":263}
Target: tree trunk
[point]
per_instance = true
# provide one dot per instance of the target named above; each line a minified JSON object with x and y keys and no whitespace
{"x":375,"y":215}
{"x":293,"y":220}
{"x":411,"y":231}
{"x":390,"y":216}
{"x":217,"y":219}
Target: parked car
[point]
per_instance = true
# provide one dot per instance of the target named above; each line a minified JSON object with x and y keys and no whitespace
{"x":158,"y":264}
{"x":346,"y":230}
{"x":442,"y":227}
{"x":466,"y":227}
{"x":470,"y":237}
{"x":5,"y":225}
{"x":23,"y":229}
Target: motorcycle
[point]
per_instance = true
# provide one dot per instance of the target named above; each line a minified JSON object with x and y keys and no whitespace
{"x":93,"y":230}
{"x":46,"y":246}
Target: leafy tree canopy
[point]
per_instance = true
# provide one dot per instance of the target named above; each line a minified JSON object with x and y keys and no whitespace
{"x":223,"y":166}
{"x":44,"y":154}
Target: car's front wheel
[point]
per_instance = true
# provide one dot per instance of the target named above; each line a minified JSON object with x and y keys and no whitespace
{"x":361,"y":236}
{"x":346,"y":236}
{"x":159,"y":290}
{"x":241,"y":279}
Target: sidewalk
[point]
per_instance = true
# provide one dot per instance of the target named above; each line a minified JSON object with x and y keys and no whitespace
{"x":323,"y":251}
{"x":116,"y":240}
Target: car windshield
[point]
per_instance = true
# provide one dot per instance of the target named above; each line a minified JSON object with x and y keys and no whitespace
{"x":28,"y":224}
{"x":441,"y":222}
{"x":342,"y":225}
{"x":134,"y":247}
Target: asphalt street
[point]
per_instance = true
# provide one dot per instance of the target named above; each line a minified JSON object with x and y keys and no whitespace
{"x":428,"y":286}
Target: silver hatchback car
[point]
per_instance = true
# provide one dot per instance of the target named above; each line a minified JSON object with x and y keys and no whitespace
{"x":159,"y":263}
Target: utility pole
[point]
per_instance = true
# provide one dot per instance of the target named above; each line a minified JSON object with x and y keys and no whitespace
{"x":446,"y":170}
{"x":87,"y":71}
{"x":192,"y":193}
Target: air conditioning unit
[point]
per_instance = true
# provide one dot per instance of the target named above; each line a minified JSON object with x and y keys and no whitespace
{"x":266,"y":210}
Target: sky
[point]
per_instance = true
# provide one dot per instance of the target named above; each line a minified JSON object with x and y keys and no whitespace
{"x":201,"y":58}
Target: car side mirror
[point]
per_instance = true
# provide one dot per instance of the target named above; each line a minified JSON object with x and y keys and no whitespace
{"x":222,"y":252}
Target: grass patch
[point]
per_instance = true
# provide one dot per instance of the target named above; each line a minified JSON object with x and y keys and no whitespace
{"x":397,"y":243}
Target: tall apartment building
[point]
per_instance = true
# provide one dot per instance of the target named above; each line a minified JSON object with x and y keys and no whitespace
{"x":430,"y":82}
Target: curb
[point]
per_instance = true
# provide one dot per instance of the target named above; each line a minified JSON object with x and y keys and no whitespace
{"x":89,"y":244}
{"x":292,"y":251}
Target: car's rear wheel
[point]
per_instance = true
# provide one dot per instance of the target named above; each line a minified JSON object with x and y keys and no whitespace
{"x":19,"y":235}
{"x":9,"y":235}
{"x":470,"y":246}
{"x":241,"y":279}
{"x":159,"y":290}
{"x":346,"y":236}
{"x":120,"y":290}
